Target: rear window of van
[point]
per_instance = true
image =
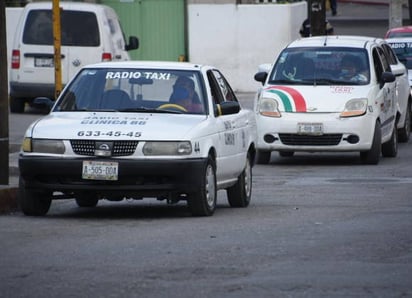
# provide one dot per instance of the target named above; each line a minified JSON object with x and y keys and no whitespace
{"x":78,"y":28}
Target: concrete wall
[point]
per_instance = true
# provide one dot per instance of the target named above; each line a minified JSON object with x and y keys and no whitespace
{"x":237,"y":38}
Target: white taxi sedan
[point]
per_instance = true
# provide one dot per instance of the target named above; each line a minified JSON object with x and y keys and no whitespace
{"x":131,"y":130}
{"x":331,"y":94}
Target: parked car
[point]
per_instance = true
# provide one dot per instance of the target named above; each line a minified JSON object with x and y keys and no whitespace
{"x":90,"y":33}
{"x":402,"y":46}
{"x":330,"y":94}
{"x":403,"y":90}
{"x":404,"y":31}
{"x":168,"y":130}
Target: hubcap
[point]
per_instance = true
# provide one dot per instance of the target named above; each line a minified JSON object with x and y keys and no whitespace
{"x":210,"y":186}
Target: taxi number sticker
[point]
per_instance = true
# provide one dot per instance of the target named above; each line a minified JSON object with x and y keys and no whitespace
{"x":96,"y":133}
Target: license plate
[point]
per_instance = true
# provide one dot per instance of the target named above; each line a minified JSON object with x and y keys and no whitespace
{"x":310,"y":128}
{"x":100,"y":170}
{"x":43,"y":62}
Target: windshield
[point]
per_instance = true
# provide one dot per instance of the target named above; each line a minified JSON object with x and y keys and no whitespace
{"x":402,"y":49}
{"x":321,"y":66}
{"x":140,"y":90}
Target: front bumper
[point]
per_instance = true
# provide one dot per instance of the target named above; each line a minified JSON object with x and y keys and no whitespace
{"x":135,"y":177}
{"x":338,"y":133}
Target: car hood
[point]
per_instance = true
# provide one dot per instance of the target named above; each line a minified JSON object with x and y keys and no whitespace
{"x":121,"y":126}
{"x":314,"y":99}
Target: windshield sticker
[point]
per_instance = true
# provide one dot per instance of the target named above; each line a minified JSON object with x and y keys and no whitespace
{"x":110,"y":75}
{"x":114,"y":120}
{"x":401,"y":45}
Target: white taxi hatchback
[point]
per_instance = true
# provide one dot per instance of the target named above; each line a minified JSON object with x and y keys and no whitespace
{"x":133,"y":130}
{"x":328,"y":94}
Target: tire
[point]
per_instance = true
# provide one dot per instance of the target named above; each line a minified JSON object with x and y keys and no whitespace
{"x":372,"y":156}
{"x":262,"y":157}
{"x":239,"y":194}
{"x":405,"y":132}
{"x":390,"y":148}
{"x":87,"y":200}
{"x":203,"y":201}
{"x":17,"y":105}
{"x":286,"y":153}
{"x":33,"y":203}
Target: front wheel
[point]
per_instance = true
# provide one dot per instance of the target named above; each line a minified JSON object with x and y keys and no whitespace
{"x":17,"y":105}
{"x":239,"y":194}
{"x":372,"y":156}
{"x":405,"y":132}
{"x":390,"y":148}
{"x":33,"y":203}
{"x":203,"y":201}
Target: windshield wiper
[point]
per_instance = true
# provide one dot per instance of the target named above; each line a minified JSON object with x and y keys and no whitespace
{"x":149,"y":110}
{"x":288,"y":82}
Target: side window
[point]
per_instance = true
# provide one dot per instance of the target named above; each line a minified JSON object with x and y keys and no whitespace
{"x":214,"y":89}
{"x":377,"y":64}
{"x":390,"y":54}
{"x":226,"y":91}
{"x":385,"y":62}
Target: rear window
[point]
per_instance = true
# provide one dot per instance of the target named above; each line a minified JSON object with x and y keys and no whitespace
{"x":78,"y":28}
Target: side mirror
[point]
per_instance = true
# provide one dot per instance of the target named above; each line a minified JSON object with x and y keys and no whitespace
{"x":43,"y":103}
{"x":261,"y":77}
{"x":133,"y":43}
{"x":227,"y":108}
{"x":387,"y":77}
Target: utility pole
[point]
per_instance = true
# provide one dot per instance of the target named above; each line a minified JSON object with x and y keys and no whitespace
{"x":4,"y":100}
{"x":395,"y":13}
{"x":410,"y":11}
{"x":317,"y":17}
{"x":57,"y":49}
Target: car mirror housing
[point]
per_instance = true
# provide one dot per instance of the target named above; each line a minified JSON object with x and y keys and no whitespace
{"x":388,"y":77}
{"x":261,"y":77}
{"x":228,"y":108}
{"x":133,"y":43}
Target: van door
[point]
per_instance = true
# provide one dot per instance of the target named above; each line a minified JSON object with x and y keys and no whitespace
{"x":82,"y":41}
{"x":80,"y":44}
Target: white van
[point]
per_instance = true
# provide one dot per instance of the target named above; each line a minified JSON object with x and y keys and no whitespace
{"x":90,"y":33}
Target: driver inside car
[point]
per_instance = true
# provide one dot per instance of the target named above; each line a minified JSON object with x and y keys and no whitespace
{"x":184,"y":94}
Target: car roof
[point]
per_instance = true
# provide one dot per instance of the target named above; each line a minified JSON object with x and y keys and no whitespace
{"x":401,"y":29}
{"x":335,"y":41}
{"x":398,"y":39}
{"x":149,"y":64}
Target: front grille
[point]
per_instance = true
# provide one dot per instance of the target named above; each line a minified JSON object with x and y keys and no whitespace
{"x":87,"y":147}
{"x":308,"y":140}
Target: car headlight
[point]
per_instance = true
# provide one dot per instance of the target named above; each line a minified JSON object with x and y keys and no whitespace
{"x":43,"y":146}
{"x":167,"y":148}
{"x":355,"y":107}
{"x":269,"y":107}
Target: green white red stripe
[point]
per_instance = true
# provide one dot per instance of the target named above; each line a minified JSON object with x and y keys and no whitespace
{"x":292,"y":100}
